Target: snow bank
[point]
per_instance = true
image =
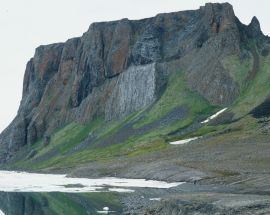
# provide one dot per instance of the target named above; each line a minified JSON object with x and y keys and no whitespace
{"x":180,"y":142}
{"x":214,"y":116}
{"x":31,"y":182}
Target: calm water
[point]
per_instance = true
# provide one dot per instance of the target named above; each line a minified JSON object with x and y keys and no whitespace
{"x":37,"y":194}
{"x":59,"y":203}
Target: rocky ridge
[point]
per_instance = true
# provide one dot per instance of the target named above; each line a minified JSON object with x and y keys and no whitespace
{"x":120,"y":67}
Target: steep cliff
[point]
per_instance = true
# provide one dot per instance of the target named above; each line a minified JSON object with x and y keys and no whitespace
{"x":125,"y":67}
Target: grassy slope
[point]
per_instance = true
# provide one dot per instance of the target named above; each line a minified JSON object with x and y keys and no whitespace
{"x":176,"y":95}
{"x":238,"y":68}
{"x":253,"y":93}
{"x":256,"y":92}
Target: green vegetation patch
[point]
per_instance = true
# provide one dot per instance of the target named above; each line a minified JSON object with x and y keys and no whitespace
{"x":238,"y":69}
{"x":128,"y":148}
{"x":68,"y":137}
{"x":257,"y":91}
{"x":59,"y":155}
{"x":176,"y":95}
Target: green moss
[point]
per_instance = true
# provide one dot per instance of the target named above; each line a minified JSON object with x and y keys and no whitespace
{"x":144,"y":147}
{"x":238,"y":69}
{"x":245,"y":124}
{"x":62,"y":140}
{"x":110,"y":128}
{"x":205,"y":130}
{"x":131,"y":147}
{"x":257,"y":91}
{"x":176,"y":95}
{"x":68,"y":137}
{"x":134,"y":145}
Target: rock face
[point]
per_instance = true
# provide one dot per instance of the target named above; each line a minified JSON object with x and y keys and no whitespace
{"x":117,"y":68}
{"x":135,"y":90}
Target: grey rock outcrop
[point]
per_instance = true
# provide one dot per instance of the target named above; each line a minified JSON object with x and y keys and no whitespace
{"x":134,"y":90}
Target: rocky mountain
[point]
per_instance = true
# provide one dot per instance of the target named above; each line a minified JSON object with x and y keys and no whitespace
{"x":125,"y":82}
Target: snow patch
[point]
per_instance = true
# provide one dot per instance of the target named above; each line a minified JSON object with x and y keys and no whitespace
{"x":180,"y":142}
{"x":120,"y":190}
{"x":155,"y":199}
{"x":31,"y":182}
{"x":214,"y":116}
{"x":2,"y":213}
{"x":105,"y":212}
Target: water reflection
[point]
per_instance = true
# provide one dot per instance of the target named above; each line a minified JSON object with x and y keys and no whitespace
{"x":25,"y":193}
{"x":59,"y":203}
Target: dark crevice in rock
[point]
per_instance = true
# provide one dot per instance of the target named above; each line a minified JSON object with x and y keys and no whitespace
{"x":262,"y":110}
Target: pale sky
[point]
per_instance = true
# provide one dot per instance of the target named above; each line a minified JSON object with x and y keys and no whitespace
{"x":26,"y":24}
